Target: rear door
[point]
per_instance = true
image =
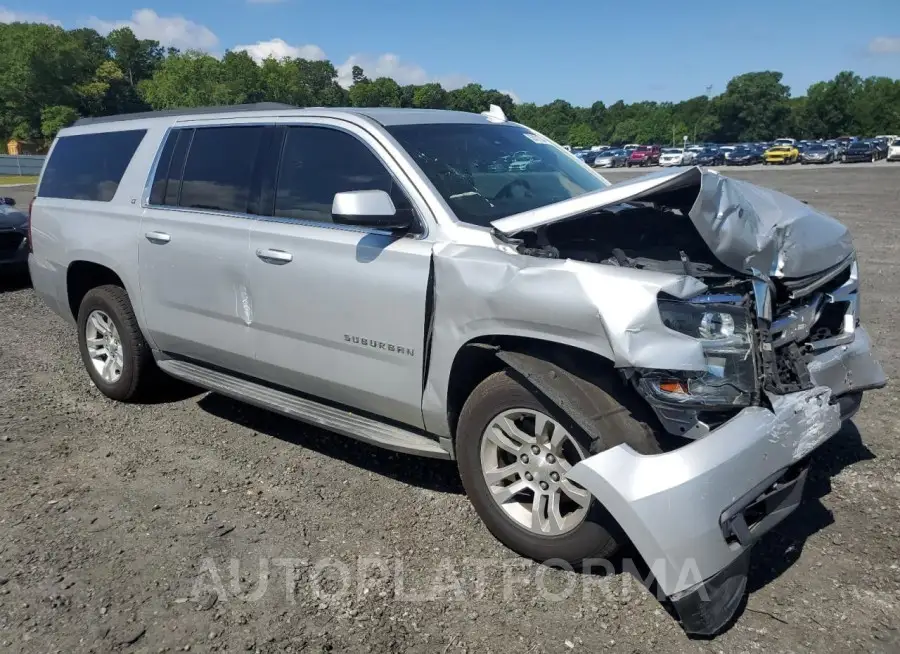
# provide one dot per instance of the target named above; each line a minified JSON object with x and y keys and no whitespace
{"x":339,"y":312}
{"x":194,"y":244}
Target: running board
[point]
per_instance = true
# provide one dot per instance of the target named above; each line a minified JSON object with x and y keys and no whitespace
{"x":305,"y":410}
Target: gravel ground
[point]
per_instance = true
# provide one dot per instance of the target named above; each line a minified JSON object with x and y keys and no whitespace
{"x":199,"y":524}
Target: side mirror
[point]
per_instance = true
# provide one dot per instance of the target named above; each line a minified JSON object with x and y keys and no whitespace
{"x":367,"y":209}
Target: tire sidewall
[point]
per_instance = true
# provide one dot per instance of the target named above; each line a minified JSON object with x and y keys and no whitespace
{"x":99,"y":300}
{"x":588,"y":540}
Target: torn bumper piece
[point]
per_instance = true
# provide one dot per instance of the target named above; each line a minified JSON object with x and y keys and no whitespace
{"x":694,"y":513}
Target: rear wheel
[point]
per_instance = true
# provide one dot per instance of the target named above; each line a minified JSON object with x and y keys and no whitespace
{"x":514,"y":449}
{"x":113,"y":349}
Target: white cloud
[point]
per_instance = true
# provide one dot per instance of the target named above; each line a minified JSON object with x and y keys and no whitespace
{"x":174,"y":31}
{"x":885,"y":45}
{"x":12,"y":16}
{"x":278,"y":48}
{"x":390,"y":65}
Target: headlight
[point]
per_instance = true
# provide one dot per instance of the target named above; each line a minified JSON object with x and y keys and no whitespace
{"x":725,"y":331}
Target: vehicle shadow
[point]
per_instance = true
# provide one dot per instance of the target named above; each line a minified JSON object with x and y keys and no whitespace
{"x":14,"y":279}
{"x":431,"y":474}
{"x":778,"y":550}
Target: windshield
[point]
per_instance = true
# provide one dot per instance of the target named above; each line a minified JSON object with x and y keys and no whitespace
{"x":486,"y":172}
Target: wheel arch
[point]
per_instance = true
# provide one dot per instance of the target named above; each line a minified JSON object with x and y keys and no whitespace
{"x":85,"y":273}
{"x":482,"y":356}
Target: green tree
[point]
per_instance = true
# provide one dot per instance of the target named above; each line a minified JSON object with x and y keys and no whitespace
{"x":243,"y":77}
{"x":430,"y":96}
{"x":55,"y":118}
{"x":189,"y":79}
{"x":137,"y":58}
{"x":755,"y":106}
{"x":40,"y":66}
{"x":582,"y":136}
{"x":382,"y":92}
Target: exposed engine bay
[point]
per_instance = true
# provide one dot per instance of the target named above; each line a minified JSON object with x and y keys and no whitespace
{"x":635,"y":235}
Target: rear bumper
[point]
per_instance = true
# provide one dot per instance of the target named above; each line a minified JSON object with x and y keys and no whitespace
{"x":17,"y":255}
{"x":695,"y":513}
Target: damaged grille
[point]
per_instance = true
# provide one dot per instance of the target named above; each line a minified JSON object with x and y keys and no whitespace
{"x":812,"y":313}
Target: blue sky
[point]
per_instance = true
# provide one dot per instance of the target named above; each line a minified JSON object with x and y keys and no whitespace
{"x":578,"y":50}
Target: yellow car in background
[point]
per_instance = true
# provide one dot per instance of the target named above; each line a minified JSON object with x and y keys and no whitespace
{"x":781,"y":154}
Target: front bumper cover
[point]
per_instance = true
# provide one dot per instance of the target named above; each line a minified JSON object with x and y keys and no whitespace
{"x":694,"y":513}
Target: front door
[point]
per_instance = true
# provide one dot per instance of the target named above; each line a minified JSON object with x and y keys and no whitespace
{"x":338,"y":312}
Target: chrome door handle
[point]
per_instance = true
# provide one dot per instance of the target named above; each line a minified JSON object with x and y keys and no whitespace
{"x":277,"y":257}
{"x":158,"y":237}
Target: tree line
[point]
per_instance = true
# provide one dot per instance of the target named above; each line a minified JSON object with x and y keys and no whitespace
{"x":50,"y":76}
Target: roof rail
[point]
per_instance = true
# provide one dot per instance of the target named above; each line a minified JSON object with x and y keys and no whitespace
{"x":187,"y":111}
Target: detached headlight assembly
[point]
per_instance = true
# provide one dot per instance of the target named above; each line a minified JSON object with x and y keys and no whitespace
{"x":726,"y":333}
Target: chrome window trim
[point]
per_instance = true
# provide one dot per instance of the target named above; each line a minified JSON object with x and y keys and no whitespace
{"x":288,"y":121}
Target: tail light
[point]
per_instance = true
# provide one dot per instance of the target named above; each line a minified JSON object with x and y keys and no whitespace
{"x":30,"y":241}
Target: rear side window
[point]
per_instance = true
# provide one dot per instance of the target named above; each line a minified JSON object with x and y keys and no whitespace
{"x":89,"y":166}
{"x":167,"y":179}
{"x":219,"y":168}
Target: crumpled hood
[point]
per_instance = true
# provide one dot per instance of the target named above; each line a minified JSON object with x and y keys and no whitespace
{"x":745,"y":226}
{"x":11,"y":217}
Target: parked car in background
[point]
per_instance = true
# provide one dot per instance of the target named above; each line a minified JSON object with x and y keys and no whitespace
{"x":781,"y":154}
{"x":743,"y":155}
{"x":522,"y":161}
{"x":610,"y":159}
{"x":13,"y":235}
{"x":894,"y":151}
{"x":725,"y":149}
{"x":881,"y":147}
{"x":817,"y":153}
{"x":673,"y":157}
{"x":587,"y":156}
{"x":859,"y":151}
{"x":836,"y":149}
{"x":785,"y":141}
{"x":709,"y":157}
{"x":644,"y":155}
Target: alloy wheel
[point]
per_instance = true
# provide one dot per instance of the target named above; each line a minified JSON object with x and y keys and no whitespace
{"x":525,"y":455}
{"x":104,"y":346}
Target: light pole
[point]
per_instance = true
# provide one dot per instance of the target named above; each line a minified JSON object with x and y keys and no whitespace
{"x":705,"y":110}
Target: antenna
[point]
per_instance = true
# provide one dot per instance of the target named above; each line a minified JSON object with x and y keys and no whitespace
{"x":495,"y":114}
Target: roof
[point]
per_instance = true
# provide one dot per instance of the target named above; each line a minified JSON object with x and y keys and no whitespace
{"x":385,"y":115}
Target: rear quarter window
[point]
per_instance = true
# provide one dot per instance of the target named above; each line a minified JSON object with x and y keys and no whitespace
{"x":89,"y":166}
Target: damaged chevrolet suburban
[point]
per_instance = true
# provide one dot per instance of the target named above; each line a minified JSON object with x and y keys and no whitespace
{"x":652,"y":361}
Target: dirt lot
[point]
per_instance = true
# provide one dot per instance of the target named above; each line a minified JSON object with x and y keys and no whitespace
{"x":151,"y":528}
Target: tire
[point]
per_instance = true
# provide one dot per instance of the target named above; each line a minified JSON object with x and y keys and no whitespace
{"x":138,"y":366}
{"x":628,"y":164}
{"x":598,"y":535}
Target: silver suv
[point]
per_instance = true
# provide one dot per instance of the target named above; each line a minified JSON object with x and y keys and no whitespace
{"x":651,"y":361}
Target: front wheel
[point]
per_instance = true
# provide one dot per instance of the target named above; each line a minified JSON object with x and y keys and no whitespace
{"x":514,"y":449}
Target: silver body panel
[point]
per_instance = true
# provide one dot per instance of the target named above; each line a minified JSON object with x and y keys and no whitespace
{"x":341,"y":314}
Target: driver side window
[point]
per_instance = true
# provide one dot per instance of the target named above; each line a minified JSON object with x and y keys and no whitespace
{"x":318,"y":162}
